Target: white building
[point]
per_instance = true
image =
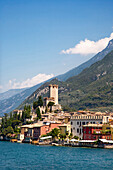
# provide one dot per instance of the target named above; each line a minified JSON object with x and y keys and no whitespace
{"x":20,"y":137}
{"x":78,"y":120}
{"x":17,"y":112}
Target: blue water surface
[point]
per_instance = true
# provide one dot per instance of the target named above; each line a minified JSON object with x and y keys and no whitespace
{"x":15,"y":156}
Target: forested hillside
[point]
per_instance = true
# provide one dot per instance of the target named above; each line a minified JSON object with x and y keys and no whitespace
{"x":91,"y":89}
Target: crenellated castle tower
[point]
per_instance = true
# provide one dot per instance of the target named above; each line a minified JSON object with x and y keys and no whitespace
{"x":53,"y":92}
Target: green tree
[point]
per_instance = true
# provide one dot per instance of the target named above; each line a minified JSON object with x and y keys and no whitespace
{"x":11,"y":116}
{"x":23,"y":116}
{"x":38,"y":113}
{"x":50,"y":104}
{"x":42,"y":112}
{"x":19,"y":117}
{"x":70,"y":136}
{"x":15,"y":116}
{"x":15,"y":123}
{"x":67,"y":133}
{"x":7,"y":130}
{"x":38,"y":103}
{"x":76,"y":137}
{"x":62,"y":136}
{"x":35,"y":104}
{"x":54,"y":133}
{"x":3,"y":123}
{"x":27,"y":111}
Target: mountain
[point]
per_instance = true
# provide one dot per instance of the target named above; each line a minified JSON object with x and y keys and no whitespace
{"x":10,"y":93}
{"x":13,"y":102}
{"x":91,"y":89}
{"x":75,"y":71}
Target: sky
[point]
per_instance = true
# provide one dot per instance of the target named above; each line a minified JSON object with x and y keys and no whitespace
{"x":40,"y":39}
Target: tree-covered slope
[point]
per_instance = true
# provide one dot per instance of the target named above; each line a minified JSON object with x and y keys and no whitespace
{"x":13,"y":102}
{"x":91,"y":89}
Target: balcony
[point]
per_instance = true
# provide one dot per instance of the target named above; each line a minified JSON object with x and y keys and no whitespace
{"x":102,"y":132}
{"x":97,"y":132}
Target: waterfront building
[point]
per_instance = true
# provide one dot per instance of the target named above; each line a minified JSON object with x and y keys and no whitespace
{"x":92,"y":131}
{"x":20,"y":137}
{"x":97,"y":131}
{"x":65,"y":128}
{"x":80,"y":119}
{"x":34,"y":131}
{"x":107,"y":128}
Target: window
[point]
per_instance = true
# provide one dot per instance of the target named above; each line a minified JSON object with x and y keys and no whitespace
{"x":89,"y":137}
{"x":83,"y":123}
{"x":74,"y":128}
{"x":84,"y":131}
{"x":77,"y":123}
{"x":77,"y":130}
{"x":93,"y":122}
{"x":89,"y":132}
{"x":71,"y":130}
{"x":71,"y":123}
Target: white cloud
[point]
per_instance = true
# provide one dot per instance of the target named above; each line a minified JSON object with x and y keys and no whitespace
{"x":88,"y":47}
{"x":13,"y":84}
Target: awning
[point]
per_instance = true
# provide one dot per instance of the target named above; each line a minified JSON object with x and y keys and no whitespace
{"x":46,"y":137}
{"x":106,"y":141}
{"x":87,"y":141}
{"x":74,"y":140}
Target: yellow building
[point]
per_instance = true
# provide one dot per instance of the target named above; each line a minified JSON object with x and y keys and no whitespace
{"x":111,"y":131}
{"x":108,"y":127}
{"x":65,"y":128}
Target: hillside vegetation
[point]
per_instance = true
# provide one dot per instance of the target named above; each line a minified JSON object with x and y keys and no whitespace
{"x":91,"y":89}
{"x":9,"y":103}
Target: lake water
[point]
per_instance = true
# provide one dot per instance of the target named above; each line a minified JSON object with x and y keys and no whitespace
{"x":15,"y":156}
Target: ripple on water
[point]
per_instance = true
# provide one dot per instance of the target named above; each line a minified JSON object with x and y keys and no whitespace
{"x":26,"y":156}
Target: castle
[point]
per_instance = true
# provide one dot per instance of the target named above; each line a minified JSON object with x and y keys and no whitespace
{"x":53,"y":97}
